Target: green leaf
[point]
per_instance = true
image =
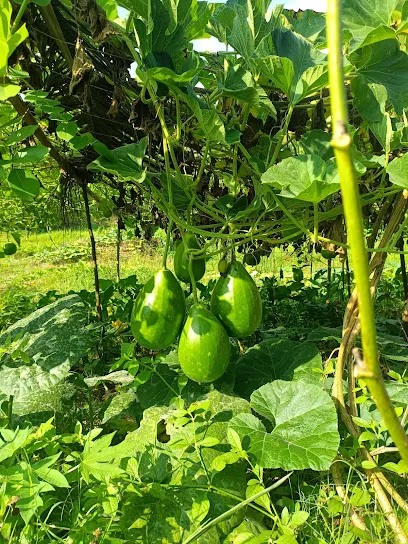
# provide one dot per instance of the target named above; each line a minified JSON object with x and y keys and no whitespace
{"x":100,"y":460}
{"x":369,"y":99}
{"x":360,"y":497}
{"x":28,"y":155}
{"x":66,"y":131}
{"x":6,"y":10}
{"x":399,"y":468}
{"x":191,"y":68}
{"x":384,"y":64}
{"x":221,"y":21}
{"x":387,"y":133}
{"x":309,"y":24}
{"x":241,"y":37}
{"x":276,"y":360}
{"x":297,"y":69}
{"x":21,"y":134}
{"x":254,"y":487}
{"x":317,"y":142}
{"x":184,"y":509}
{"x":158,"y":35}
{"x":120,"y":376}
{"x":239,"y":84}
{"x":55,"y":338}
{"x":82,"y":140}
{"x":24,"y":185}
{"x":305,"y":177}
{"x":298,"y":519}
{"x":17,"y":38}
{"x":209,"y":121}
{"x":368,"y":465}
{"x":368,"y":21}
{"x":119,"y":405}
{"x":52,"y":476}
{"x":125,"y":161}
{"x":305,"y":427}
{"x":8,"y":90}
{"x":110,"y":7}
{"x":17,"y":237}
{"x":231,"y":206}
{"x":280,"y":70}
{"x":397,"y":171}
{"x":12,"y":441}
{"x":398,"y":392}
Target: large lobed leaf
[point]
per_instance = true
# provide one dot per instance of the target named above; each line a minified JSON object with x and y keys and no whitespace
{"x":304,"y":431}
{"x":276,"y":360}
{"x":54,"y":338}
{"x":368,"y":21}
{"x":305,"y":177}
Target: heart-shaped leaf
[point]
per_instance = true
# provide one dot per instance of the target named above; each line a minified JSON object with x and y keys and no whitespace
{"x":23,"y":184}
{"x":305,"y":177}
{"x":125,"y":161}
{"x":276,"y":360}
{"x":304,"y":423}
{"x":21,"y":134}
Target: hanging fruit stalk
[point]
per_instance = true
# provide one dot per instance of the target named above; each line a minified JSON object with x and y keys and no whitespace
{"x":182,"y":260}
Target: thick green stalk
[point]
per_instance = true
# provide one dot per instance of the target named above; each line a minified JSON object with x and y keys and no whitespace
{"x":369,"y":368}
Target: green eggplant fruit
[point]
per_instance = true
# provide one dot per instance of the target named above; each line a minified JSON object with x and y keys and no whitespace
{"x":182,"y":260}
{"x":204,"y":349}
{"x":222,"y":266}
{"x":9,"y":248}
{"x":327,"y":254}
{"x":158,"y":311}
{"x":236,"y":301}
{"x":105,"y":207}
{"x":252,"y":259}
{"x":297,"y":274}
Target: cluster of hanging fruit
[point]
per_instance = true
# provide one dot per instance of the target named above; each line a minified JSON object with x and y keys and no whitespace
{"x":204,"y":348}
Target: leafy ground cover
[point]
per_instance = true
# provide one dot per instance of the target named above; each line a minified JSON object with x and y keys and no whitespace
{"x":130,"y":414}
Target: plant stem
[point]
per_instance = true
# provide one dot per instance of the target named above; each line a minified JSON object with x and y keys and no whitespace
{"x":166,"y":248}
{"x":93,"y":250}
{"x":10,"y":412}
{"x":315,"y":222}
{"x":19,"y":15}
{"x":178,"y":119}
{"x":281,"y":137}
{"x":341,"y":143}
{"x":202,"y":165}
{"x":205,"y":527}
{"x":118,"y":241}
{"x":90,"y":408}
{"x":192,"y":278}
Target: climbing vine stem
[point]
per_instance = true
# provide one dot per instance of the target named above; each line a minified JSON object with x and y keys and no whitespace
{"x":369,"y":368}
